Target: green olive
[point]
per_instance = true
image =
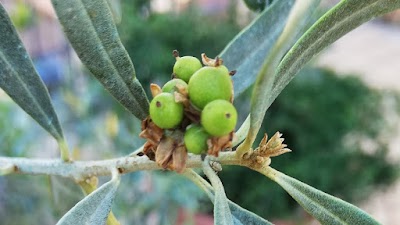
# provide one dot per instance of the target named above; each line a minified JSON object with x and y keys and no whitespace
{"x":185,"y":67}
{"x":165,"y":112}
{"x":170,"y":86}
{"x":196,"y":139}
{"x":209,"y":84}
{"x":219,"y":118}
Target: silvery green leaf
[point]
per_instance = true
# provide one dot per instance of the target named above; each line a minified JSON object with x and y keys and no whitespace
{"x":222,"y":212}
{"x":115,"y":7}
{"x":20,"y":80}
{"x":341,"y":19}
{"x":90,"y":28}
{"x":300,"y":14}
{"x":245,"y":216}
{"x":247,"y":51}
{"x":94,"y":208}
{"x":325,"y":208}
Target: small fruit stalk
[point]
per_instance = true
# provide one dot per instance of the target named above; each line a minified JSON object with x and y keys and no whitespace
{"x":193,"y":112}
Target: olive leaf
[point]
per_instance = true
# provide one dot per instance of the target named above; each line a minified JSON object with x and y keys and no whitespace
{"x":115,"y":7}
{"x":299,"y":17}
{"x":222,"y":212}
{"x":325,"y":208}
{"x":341,"y":19}
{"x":20,"y":80}
{"x":239,"y":214}
{"x":90,"y":28}
{"x":247,"y":51}
{"x":94,"y":208}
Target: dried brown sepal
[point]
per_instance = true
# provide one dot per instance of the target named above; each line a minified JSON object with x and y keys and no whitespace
{"x":211,"y":62}
{"x":181,"y":95}
{"x":192,"y":114}
{"x":153,"y":134}
{"x":180,"y":98}
{"x":151,"y":131}
{"x":233,"y":72}
{"x":217,"y":144}
{"x":171,"y":152}
{"x":155,"y":90}
{"x":261,"y":156}
{"x":175,"y":53}
{"x":273,"y":147}
{"x":182,"y":89}
{"x":150,"y":150}
{"x":164,"y":152}
{"x":179,"y":157}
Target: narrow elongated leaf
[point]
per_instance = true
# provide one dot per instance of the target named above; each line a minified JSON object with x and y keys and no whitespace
{"x":247,"y":51}
{"x":245,"y":216}
{"x":90,"y":28}
{"x":344,"y":17}
{"x":240,"y":215}
{"x":222,"y":212}
{"x":300,"y":15}
{"x":94,"y":208}
{"x":325,"y":208}
{"x":115,"y":7}
{"x":20,"y":80}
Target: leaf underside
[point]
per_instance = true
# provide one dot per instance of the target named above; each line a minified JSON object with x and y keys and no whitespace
{"x":91,"y":31}
{"x":247,"y":51}
{"x":94,"y":208}
{"x":20,"y":80}
{"x":325,"y":208}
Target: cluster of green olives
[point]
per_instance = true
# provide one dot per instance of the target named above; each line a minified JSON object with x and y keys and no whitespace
{"x":209,"y":92}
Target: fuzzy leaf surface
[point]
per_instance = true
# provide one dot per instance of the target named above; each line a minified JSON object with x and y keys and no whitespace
{"x":222,"y":212}
{"x":90,"y":28}
{"x":341,"y":19}
{"x":246,"y":217}
{"x":94,"y":208}
{"x":247,"y":51}
{"x":325,"y":208}
{"x":20,"y":80}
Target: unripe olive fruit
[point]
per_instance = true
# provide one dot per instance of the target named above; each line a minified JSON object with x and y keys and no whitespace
{"x":196,"y":139}
{"x":165,"y":112}
{"x":219,"y":118}
{"x":185,"y":67}
{"x":170,"y":85}
{"x":208,"y":84}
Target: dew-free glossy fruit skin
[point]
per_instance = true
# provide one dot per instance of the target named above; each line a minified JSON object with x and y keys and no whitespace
{"x":170,"y":85}
{"x":208,"y":84}
{"x":185,"y":67}
{"x":165,"y":112}
{"x":196,"y":139}
{"x":219,"y":118}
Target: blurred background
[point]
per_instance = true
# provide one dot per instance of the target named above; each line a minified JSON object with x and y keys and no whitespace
{"x":339,"y":116}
